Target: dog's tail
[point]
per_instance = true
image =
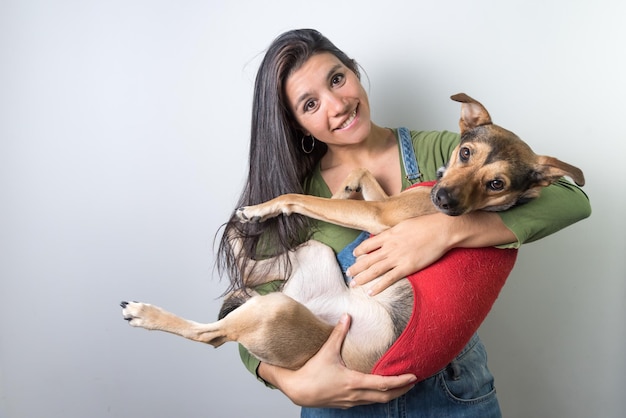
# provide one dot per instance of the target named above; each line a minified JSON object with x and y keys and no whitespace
{"x":234,"y":300}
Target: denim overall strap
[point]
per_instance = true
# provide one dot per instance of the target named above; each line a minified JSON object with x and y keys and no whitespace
{"x":408,"y":155}
{"x":345,"y":256}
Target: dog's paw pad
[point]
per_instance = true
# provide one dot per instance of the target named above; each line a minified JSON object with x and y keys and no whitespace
{"x":131,"y":312}
{"x":353,"y":188}
{"x":241,"y":214}
{"x":245,"y":217}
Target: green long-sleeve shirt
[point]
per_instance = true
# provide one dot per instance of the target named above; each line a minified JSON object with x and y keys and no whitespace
{"x":558,"y":206}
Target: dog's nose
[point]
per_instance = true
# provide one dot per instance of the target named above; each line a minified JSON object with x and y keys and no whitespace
{"x":443,"y":199}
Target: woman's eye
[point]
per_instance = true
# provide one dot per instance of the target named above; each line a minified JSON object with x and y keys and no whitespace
{"x":337,"y":79}
{"x":464,"y":154}
{"x":309,"y":105}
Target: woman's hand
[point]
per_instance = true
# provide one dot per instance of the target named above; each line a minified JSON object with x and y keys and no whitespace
{"x":418,"y":242}
{"x":324,"y":381}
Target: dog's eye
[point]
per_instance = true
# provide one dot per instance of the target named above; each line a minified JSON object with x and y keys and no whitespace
{"x":496,"y":185}
{"x":464,"y":154}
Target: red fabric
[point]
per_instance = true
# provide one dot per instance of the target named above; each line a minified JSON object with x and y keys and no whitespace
{"x":451,"y":299}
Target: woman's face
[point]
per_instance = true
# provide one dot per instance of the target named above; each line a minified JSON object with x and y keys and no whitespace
{"x":328,"y":101}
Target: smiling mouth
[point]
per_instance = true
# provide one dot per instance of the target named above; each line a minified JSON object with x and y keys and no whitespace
{"x":348,"y":121}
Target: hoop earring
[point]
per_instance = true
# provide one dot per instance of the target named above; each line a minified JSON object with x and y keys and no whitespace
{"x":310,"y":150}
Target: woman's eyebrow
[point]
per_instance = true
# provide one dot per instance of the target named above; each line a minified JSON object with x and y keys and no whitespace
{"x":333,"y":70}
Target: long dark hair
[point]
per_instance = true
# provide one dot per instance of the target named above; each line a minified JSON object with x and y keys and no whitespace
{"x":277,"y":162}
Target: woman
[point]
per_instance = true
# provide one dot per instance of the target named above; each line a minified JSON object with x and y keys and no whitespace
{"x":311,"y":127}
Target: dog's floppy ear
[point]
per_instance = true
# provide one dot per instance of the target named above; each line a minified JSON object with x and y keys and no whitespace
{"x":473,"y":113}
{"x":549,"y":169}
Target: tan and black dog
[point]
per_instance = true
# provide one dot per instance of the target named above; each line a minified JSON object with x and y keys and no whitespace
{"x":491,"y":169}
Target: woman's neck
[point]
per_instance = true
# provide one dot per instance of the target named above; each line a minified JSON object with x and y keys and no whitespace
{"x":362,"y":154}
{"x":378,"y":153}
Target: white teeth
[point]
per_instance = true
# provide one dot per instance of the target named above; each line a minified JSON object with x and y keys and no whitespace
{"x":349,"y":121}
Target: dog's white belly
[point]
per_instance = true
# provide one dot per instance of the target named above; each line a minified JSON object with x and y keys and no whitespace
{"x":370,"y":320}
{"x":317,"y":283}
{"x":371,"y":330}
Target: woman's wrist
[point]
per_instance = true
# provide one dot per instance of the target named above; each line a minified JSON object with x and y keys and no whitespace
{"x":269,"y":374}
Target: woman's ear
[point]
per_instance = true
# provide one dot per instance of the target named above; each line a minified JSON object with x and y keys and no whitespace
{"x":300,"y":129}
{"x":297,"y":128}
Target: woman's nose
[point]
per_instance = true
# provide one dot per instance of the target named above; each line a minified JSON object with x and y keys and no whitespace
{"x":337,"y":104}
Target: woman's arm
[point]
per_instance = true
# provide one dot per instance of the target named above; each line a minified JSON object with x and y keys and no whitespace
{"x":324,"y":381}
{"x":416,"y":243}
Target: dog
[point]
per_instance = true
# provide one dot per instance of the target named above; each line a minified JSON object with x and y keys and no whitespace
{"x":491,"y":169}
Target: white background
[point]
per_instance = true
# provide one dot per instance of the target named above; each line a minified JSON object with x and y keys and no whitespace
{"x":123,"y":146}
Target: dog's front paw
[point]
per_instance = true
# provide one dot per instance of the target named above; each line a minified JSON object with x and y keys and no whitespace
{"x":349,"y":191}
{"x":262,"y":212}
{"x":353,"y":188}
{"x":352,"y":185}
{"x":245,"y":215}
{"x":140,"y":314}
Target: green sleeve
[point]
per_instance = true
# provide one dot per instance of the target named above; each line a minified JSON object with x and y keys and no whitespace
{"x":559,"y":205}
{"x":251,"y":363}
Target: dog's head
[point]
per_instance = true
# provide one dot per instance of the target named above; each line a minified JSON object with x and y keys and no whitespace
{"x":491,"y":168}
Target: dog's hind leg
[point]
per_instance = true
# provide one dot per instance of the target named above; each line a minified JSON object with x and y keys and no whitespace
{"x":274,"y":328}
